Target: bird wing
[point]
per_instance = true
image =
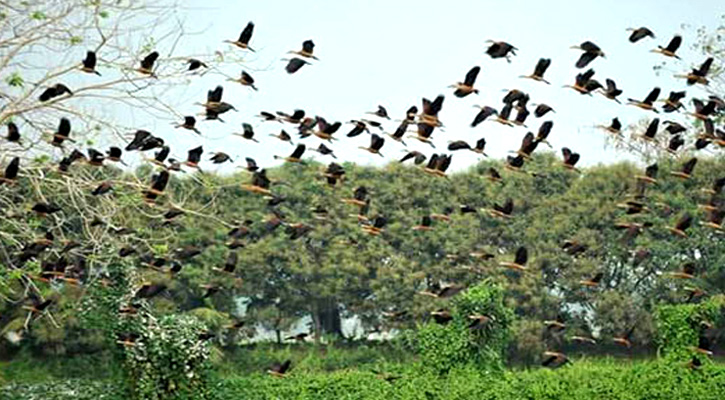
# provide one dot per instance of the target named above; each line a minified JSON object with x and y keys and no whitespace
{"x":246,"y":34}
{"x":471,"y":76}
{"x":652,"y":96}
{"x":299,"y":150}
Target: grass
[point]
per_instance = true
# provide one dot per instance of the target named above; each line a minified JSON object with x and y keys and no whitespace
{"x":356,"y":372}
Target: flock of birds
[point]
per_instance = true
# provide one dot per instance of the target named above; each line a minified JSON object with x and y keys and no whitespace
{"x":417,"y":124}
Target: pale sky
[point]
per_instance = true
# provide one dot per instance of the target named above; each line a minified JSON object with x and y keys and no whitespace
{"x":396,"y":52}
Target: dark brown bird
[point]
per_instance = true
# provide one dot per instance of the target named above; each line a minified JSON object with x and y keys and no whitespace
{"x":671,"y":48}
{"x":101,"y":189}
{"x":308,"y":47}
{"x":417,"y":157}
{"x":591,"y":51}
{"x":673,"y":101}
{"x":294,"y":64}
{"x":260,"y":183}
{"x":247,"y":132}
{"x":639,"y":34}
{"x":687,"y":272}
{"x":195,"y":64}
{"x":539,"y":70}
{"x":444,"y":292}
{"x":11,"y":172}
{"x":150,"y":290}
{"x":376,"y":143}
{"x":13,"y":133}
{"x":542,"y":109}
{"x":147,"y":64}
{"x":89,"y":63}
{"x":648,"y":102}
{"x":158,"y":184}
{"x":593,"y":281}
{"x":359,"y":197}
{"x":651,"y":131}
{"x":625,"y":340}
{"x":279,"y":370}
{"x":519,"y":263}
{"x":699,"y":75}
{"x":62,"y":133}
{"x":189,"y":123}
{"x":296,"y":156}
{"x":611,"y":91}
{"x":220,"y":158}
{"x":244,"y":37}
{"x":54,"y":91}
{"x":465,"y":88}
{"x":570,"y":158}
{"x":553,"y":359}
{"x":500,"y":50}
{"x":683,"y":223}
{"x":686,"y":170}
{"x":193,"y":157}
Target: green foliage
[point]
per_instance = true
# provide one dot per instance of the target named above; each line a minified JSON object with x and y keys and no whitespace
{"x":168,"y":360}
{"x":443,"y":347}
{"x":679,"y":326}
{"x":15,"y":80}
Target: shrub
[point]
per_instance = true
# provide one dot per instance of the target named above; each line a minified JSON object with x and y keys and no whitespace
{"x":168,"y":361}
{"x":679,"y":326}
{"x":443,"y":347}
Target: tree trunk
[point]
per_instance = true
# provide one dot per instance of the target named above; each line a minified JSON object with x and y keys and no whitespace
{"x":328,"y":318}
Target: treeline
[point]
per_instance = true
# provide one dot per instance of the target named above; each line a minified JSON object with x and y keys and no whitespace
{"x":303,"y":253}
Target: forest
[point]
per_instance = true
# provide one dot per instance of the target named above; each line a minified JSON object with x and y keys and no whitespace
{"x":127,"y":273}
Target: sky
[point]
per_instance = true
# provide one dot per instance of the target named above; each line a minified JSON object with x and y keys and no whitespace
{"x":394,"y":53}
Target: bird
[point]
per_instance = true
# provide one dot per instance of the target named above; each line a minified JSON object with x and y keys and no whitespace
{"x":294,"y":118}
{"x":465,"y":88}
{"x":611,"y":92}
{"x":438,"y":164}
{"x":519,"y":263}
{"x":308,"y":47}
{"x":359,"y":128}
{"x":704,"y":110}
{"x":429,"y":114}
{"x":591,"y":51}
{"x":220,"y":158}
{"x":325,"y":130}
{"x":650,"y":174}
{"x":260,"y":184}
{"x":279,"y":370}
{"x":11,"y":172}
{"x":376,"y":143}
{"x":570,"y":158}
{"x":324,"y":150}
{"x":375,"y":226}
{"x":54,"y":91}
{"x":444,"y":292}
{"x":480,"y":321}
{"x":245,"y":79}
{"x":417,"y":157}
{"x":584,"y":82}
{"x":283,"y":136}
{"x":675,"y":143}
{"x":441,"y":316}
{"x":553,"y":359}
{"x":674,"y":128}
{"x":359,"y":196}
{"x":149,"y":290}
{"x":686,"y":171}
{"x":639,"y":34}
{"x":542,"y":109}
{"x":158,"y":184}
{"x":698,"y":75}
{"x":294,"y":64}
{"x":296,"y":156}
{"x":482,"y":115}
{"x":101,"y":189}
{"x":648,"y":102}
{"x":671,"y":48}
{"x":615,"y":127}
{"x":673,"y":101}
{"x":555,"y":325}
{"x":195,"y":64}
{"x":247,"y":132}
{"x":89,"y":63}
{"x":147,"y":64}
{"x":704,"y":345}
{"x":62,"y":133}
{"x":194,"y":157}
{"x":541,"y":66}
{"x":426,"y":224}
{"x":502,"y":211}
{"x":651,"y":131}
{"x":244,"y":37}
{"x":189,"y":123}
{"x":687,"y":271}
{"x":528,"y":145}
{"x":625,"y":340}
{"x":500,"y":49}
{"x":593,"y":281}
{"x":399,"y":133}
{"x":684,"y":222}
{"x":13,"y":135}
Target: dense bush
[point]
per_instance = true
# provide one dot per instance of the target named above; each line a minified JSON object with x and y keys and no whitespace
{"x":679,"y":326}
{"x":169,"y":360}
{"x":443,"y":347}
